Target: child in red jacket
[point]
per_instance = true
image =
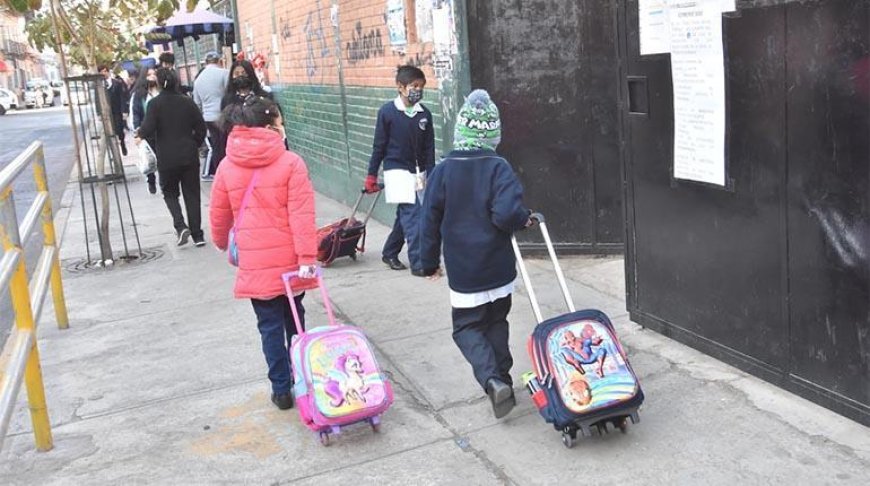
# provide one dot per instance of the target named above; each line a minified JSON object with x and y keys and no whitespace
{"x":278,"y":233}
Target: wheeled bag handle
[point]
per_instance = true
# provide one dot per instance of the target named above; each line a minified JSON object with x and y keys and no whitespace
{"x":536,"y":308}
{"x":288,"y":278}
{"x":359,"y":200}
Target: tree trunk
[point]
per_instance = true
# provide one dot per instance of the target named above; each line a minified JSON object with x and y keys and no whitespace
{"x":108,"y":148}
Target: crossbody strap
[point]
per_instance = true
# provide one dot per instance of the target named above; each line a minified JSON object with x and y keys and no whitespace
{"x":245,"y":198}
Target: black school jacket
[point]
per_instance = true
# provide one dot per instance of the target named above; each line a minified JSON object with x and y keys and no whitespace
{"x":176,"y":124}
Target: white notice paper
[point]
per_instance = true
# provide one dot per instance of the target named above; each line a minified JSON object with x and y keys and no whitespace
{"x":698,"y":69}
{"x":399,"y":187}
{"x":655,"y":33}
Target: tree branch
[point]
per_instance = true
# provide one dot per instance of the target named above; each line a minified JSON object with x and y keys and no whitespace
{"x":60,"y":12}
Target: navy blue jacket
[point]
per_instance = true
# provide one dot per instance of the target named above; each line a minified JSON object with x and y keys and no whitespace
{"x":402,"y":142}
{"x":473,"y":204}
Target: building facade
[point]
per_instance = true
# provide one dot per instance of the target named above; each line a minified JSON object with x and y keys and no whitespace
{"x":332,"y":65}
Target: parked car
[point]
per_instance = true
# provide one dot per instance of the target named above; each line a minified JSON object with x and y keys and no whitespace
{"x":8,"y":101}
{"x":78,"y":94}
{"x":38,"y":93}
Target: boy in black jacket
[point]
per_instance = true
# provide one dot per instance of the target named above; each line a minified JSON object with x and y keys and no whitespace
{"x":405,"y":143}
{"x":473,"y":204}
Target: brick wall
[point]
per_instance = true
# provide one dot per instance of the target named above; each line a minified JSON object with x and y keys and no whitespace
{"x":332,"y":65}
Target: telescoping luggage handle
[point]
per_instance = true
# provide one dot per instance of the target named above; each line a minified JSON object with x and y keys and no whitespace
{"x":536,"y":308}
{"x":356,"y":206}
{"x":287,"y":277}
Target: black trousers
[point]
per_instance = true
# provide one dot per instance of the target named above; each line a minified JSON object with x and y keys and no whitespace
{"x":218,"y":141}
{"x":482,"y":335}
{"x":187,"y":177}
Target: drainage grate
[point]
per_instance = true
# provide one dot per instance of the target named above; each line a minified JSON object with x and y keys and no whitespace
{"x":82,"y":265}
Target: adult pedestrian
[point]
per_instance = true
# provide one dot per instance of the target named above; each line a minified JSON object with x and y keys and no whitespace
{"x":178,"y":129}
{"x":242,"y":83}
{"x":278,"y":232}
{"x":208,"y":91}
{"x":145,"y":90}
{"x":167,"y":60}
{"x":116,"y":93}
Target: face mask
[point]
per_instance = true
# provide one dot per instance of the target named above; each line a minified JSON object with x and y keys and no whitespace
{"x":279,"y":129}
{"x":152,"y":83}
{"x":242,"y":83}
{"x":415,"y":95}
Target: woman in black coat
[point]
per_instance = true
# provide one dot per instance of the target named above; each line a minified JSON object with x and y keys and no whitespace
{"x":178,"y":128}
{"x":145,"y":90}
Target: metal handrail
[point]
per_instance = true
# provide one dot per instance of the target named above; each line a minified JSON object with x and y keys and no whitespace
{"x":19,"y":359}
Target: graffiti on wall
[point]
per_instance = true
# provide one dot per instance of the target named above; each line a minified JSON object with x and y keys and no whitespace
{"x":315,"y":42}
{"x":364,"y":45}
{"x":284,"y":29}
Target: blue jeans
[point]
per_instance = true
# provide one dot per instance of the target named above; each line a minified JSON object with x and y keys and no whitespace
{"x":275,"y":322}
{"x":406,"y":227}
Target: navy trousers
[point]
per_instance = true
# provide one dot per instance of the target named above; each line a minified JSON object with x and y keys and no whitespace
{"x":482,"y":335}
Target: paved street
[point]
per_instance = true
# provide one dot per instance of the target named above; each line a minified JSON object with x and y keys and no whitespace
{"x":18,"y":129}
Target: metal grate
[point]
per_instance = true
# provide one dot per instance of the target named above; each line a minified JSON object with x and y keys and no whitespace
{"x":82,"y":265}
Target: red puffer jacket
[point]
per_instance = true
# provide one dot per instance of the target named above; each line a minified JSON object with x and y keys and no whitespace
{"x":278,"y":231}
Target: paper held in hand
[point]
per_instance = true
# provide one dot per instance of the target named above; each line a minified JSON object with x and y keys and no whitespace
{"x":399,"y":187}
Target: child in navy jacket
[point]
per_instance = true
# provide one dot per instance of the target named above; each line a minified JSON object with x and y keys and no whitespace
{"x":405,"y":144}
{"x":473,"y":204}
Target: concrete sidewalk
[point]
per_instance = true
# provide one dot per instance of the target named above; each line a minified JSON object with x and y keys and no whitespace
{"x":160,"y":380}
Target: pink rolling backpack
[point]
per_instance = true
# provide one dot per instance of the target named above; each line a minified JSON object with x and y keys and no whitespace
{"x":337,"y":380}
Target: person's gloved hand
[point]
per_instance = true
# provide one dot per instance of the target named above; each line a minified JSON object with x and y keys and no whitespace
{"x":307,"y":271}
{"x":372,"y":184}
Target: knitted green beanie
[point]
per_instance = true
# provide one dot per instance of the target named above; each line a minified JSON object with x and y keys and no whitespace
{"x":478,"y":125}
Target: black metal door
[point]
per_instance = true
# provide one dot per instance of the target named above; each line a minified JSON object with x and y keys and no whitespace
{"x":707,"y":261}
{"x":770,"y":273}
{"x":829,"y":197}
{"x":551,"y":66}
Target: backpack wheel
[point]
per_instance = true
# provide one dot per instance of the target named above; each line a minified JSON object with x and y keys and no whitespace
{"x":622,"y":424}
{"x":567,"y":440}
{"x":352,"y":256}
{"x":324,"y":439}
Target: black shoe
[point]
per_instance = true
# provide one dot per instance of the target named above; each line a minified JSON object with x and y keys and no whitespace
{"x":198,"y":241}
{"x":418,"y":273}
{"x":283,"y":401}
{"x":394,"y":263}
{"x":183,"y":236}
{"x":501,"y":395}
{"x":152,"y":187}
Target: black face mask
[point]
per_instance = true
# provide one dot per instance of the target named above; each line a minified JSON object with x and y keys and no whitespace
{"x":242,"y":83}
{"x":152,"y":84}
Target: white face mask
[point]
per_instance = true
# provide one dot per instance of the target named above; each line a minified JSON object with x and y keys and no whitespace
{"x":280,"y":129}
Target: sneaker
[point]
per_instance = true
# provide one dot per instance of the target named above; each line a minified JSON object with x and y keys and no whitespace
{"x":183,"y":236}
{"x":283,"y":401}
{"x":152,"y":187}
{"x":207,"y":178}
{"x":198,"y":241}
{"x":501,"y":395}
{"x":418,"y":273}
{"x":394,"y":263}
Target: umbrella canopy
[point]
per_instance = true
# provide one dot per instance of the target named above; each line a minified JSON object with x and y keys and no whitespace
{"x":194,"y":24}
